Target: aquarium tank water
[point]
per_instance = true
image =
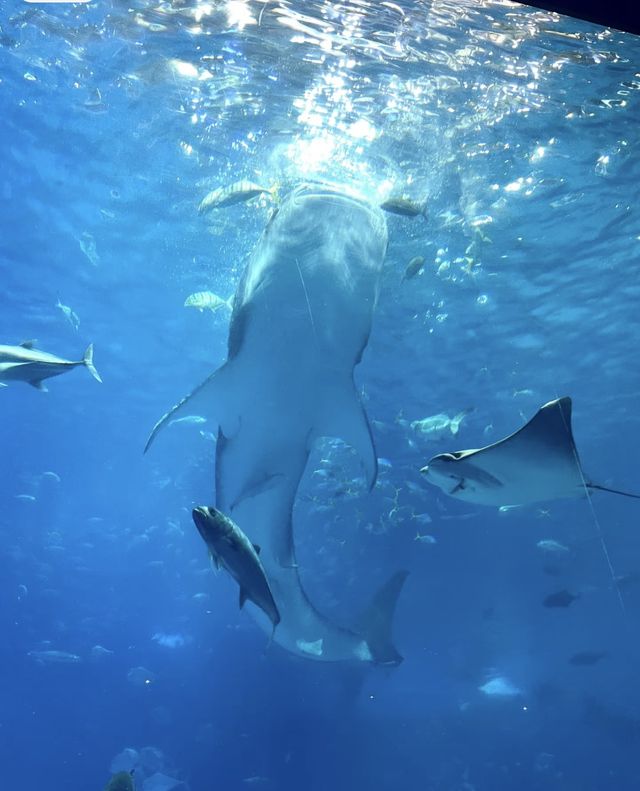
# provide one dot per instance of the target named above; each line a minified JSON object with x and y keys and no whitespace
{"x":319,"y":397}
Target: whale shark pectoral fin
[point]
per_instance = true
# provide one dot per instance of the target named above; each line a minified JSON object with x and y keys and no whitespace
{"x":375,"y":623}
{"x":214,"y":398}
{"x":344,"y":417}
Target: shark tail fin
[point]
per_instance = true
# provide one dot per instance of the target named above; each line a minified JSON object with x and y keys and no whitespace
{"x":375,"y":623}
{"x":212,"y":397}
{"x":88,"y":361}
{"x":455,"y":421}
{"x":612,"y":491}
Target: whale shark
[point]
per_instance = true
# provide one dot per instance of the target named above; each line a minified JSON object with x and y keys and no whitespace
{"x":301,"y":319}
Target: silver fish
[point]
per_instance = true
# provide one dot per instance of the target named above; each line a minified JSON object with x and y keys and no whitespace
{"x":413,"y":267}
{"x":405,"y":207}
{"x":438,"y":426}
{"x":240,"y":192}
{"x":54,"y":657}
{"x":207,"y":300}
{"x":230,"y":548}
{"x":24,"y":363}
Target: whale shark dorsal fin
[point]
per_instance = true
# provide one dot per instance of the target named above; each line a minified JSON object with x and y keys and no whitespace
{"x":256,"y":548}
{"x":344,"y":417}
{"x":28,"y":344}
{"x":375,"y":623}
{"x":213,"y":398}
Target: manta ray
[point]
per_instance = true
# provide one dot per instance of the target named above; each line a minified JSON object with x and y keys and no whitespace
{"x":301,"y":320}
{"x":538,"y":462}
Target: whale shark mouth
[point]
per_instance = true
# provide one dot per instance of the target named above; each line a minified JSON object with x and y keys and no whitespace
{"x":325,"y":191}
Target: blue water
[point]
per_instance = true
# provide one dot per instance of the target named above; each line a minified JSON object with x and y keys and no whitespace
{"x":519,"y":130}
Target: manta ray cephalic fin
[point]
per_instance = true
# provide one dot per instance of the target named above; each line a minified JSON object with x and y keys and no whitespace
{"x":214,"y":397}
{"x":344,"y":417}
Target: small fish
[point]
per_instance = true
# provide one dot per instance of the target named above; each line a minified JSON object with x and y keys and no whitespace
{"x":24,"y":363}
{"x":53,"y":475}
{"x":230,"y":548}
{"x":29,"y":498}
{"x":70,"y":315}
{"x":207,"y":300}
{"x":560,"y":599}
{"x":240,"y":192}
{"x":54,"y":657}
{"x":425,"y":539}
{"x":413,"y":267}
{"x":88,"y":246}
{"x":626,"y":581}
{"x":551,"y":546}
{"x":585,"y":658}
{"x":94,"y":103}
{"x":500,"y":687}
{"x":404,"y":207}
{"x":100,"y":652}
{"x":439,"y":426}
{"x":192,"y":420}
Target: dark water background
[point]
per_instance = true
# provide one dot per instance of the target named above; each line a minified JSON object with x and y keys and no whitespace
{"x":520,"y":130}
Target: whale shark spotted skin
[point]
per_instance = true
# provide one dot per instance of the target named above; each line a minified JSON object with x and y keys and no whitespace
{"x":301,"y":320}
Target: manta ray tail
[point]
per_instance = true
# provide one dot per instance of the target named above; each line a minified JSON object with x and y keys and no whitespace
{"x":213,"y":397}
{"x":612,"y":491}
{"x":376,"y":622}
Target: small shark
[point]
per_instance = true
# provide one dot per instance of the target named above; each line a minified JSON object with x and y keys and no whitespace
{"x":24,"y":363}
{"x":231,"y":549}
{"x":538,"y":462}
{"x":301,"y":320}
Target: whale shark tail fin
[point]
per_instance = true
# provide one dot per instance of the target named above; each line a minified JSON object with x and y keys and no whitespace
{"x":213,"y":398}
{"x":375,"y":623}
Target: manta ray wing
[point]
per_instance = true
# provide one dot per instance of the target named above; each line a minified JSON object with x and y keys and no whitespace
{"x":538,"y":462}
